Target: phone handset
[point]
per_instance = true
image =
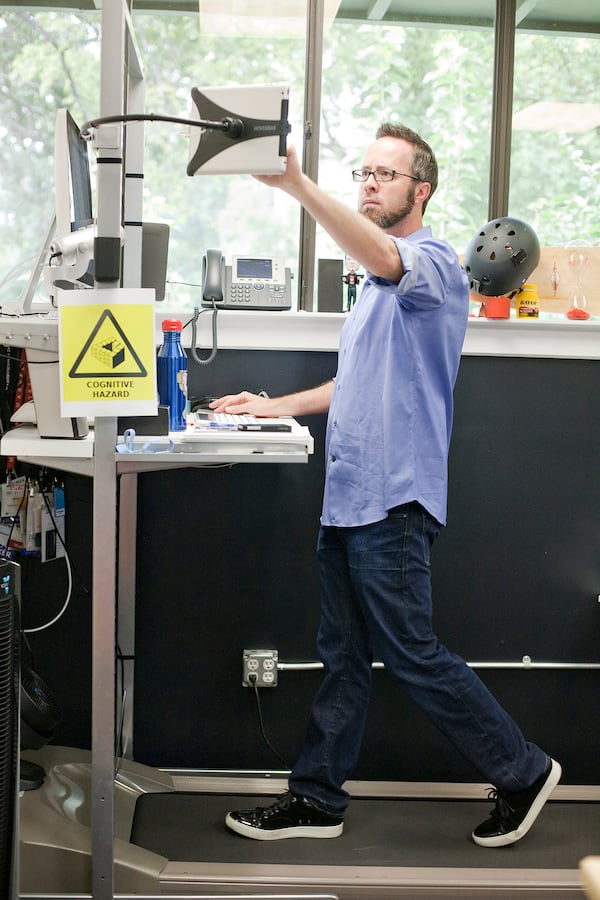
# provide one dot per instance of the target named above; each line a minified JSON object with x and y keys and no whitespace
{"x":213,"y":276}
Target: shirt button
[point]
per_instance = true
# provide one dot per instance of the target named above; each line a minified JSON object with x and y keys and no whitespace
{"x":333,"y":459}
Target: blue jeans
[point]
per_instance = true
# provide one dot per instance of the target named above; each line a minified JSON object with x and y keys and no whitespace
{"x":376,"y":591}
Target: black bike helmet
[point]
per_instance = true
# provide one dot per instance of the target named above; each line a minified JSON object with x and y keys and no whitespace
{"x":501,"y":257}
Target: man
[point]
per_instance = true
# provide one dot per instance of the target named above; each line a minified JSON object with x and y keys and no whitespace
{"x":390,"y":414}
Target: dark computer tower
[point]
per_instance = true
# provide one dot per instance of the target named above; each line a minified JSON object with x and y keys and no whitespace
{"x":9,"y":727}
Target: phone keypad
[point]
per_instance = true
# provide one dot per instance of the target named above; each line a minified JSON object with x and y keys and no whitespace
{"x":270,"y":295}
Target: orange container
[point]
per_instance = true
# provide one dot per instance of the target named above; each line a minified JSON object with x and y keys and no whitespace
{"x":497,"y":307}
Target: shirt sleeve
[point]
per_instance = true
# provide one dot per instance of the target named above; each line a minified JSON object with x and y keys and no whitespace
{"x":430,"y":267}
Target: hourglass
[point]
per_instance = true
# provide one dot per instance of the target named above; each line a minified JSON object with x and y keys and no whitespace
{"x":578,"y":260}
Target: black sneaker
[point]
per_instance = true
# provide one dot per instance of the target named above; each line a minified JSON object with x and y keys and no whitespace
{"x":290,"y":816}
{"x":514,"y":814}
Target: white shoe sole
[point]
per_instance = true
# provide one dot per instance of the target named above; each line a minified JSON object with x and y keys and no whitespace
{"x":279,"y":834}
{"x":503,"y":840}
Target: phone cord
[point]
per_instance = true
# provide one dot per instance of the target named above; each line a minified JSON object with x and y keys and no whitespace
{"x":209,"y":359}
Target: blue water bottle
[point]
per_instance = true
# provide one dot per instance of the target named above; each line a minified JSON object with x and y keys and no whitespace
{"x":172,"y":374}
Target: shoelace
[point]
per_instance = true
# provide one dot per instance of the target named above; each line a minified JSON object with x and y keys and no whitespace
{"x":283,"y":802}
{"x":502,"y":810}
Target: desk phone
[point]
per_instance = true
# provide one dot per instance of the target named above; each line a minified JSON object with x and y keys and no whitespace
{"x":248,"y":283}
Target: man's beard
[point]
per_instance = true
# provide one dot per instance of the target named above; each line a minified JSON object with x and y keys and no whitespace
{"x":386,"y":219}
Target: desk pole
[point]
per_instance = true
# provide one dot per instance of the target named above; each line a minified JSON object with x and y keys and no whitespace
{"x":109,"y":198}
{"x":103,"y":655}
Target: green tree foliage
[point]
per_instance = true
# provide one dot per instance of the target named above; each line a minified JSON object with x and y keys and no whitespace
{"x":425,"y":79}
{"x":49,"y":60}
{"x":555,"y":182}
{"x":234,"y":213}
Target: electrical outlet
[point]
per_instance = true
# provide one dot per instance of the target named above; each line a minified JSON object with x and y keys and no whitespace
{"x":259,"y":667}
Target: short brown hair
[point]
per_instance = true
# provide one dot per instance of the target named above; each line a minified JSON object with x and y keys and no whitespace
{"x":424,"y":164}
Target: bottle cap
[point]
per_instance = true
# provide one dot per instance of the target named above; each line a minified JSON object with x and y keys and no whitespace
{"x":171,"y":325}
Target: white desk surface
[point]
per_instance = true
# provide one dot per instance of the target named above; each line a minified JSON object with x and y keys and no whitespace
{"x":279,"y":330}
{"x":221,"y":447}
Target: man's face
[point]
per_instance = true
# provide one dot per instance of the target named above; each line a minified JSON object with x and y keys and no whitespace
{"x":387,"y":203}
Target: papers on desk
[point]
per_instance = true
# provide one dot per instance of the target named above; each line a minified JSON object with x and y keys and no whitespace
{"x":208,"y":421}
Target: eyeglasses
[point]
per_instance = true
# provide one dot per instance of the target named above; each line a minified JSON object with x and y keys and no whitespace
{"x":379,"y":174}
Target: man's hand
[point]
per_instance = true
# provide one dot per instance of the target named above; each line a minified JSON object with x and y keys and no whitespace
{"x":289,"y":180}
{"x":244,"y":402}
{"x":304,"y":403}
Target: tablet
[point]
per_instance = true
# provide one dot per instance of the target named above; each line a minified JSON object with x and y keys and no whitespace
{"x":257,"y":145}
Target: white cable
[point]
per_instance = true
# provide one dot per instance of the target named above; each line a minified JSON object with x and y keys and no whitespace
{"x":12,"y":272}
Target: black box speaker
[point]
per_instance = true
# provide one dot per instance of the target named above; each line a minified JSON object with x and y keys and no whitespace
{"x":146,"y":425}
{"x":330,"y":293}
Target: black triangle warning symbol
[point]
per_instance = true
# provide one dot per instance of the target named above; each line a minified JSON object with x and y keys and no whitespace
{"x":103,"y":353}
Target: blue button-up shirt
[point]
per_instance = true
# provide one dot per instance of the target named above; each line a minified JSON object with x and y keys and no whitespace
{"x":390,"y":419}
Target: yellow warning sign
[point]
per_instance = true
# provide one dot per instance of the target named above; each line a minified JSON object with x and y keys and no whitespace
{"x":107,"y":352}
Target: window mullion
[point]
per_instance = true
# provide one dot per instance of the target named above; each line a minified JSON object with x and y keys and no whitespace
{"x":502,"y":107}
{"x":310,"y":156}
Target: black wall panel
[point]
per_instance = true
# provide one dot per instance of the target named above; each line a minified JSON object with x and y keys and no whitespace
{"x":516,"y":573}
{"x":62,"y":654}
{"x":226,"y":560}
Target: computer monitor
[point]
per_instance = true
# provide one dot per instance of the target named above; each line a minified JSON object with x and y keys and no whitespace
{"x":72,"y":186}
{"x":72,"y":176}
{"x":72,"y":204}
{"x":74,"y":210}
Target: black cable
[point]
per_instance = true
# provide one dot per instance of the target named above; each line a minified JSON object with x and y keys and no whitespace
{"x":4,"y":314}
{"x":15,"y":517}
{"x":53,"y":520}
{"x":119,"y":749}
{"x":253,"y":681}
{"x":227,"y":124}
{"x":11,"y":365}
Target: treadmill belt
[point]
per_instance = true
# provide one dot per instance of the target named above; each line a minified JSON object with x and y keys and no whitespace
{"x":189,"y":827}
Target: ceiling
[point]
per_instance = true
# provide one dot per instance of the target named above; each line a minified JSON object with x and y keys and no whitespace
{"x":581,"y":16}
{"x":578,"y":15}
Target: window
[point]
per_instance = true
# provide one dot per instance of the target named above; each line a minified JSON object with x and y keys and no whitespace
{"x":49,"y":60}
{"x":234,"y":213}
{"x":423,"y":64}
{"x":555,"y":160}
{"x":555,"y":155}
{"x":437,"y":80}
